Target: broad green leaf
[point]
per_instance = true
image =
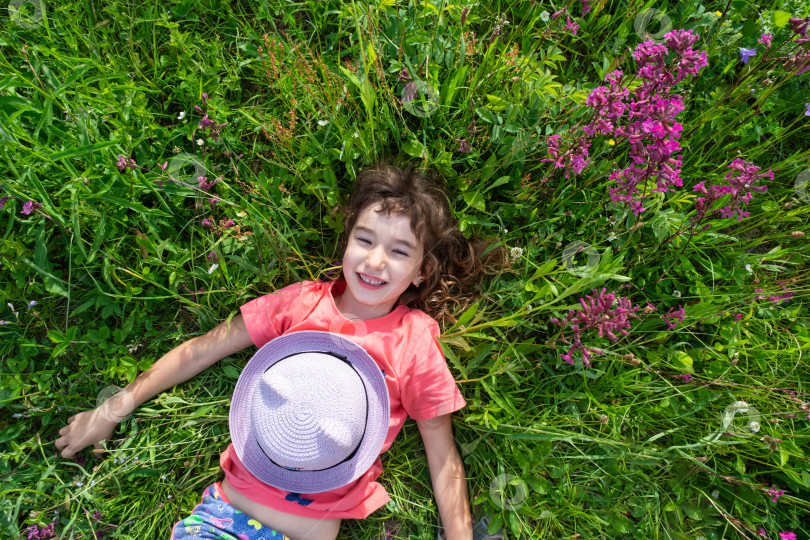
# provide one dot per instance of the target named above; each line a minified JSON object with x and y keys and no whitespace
{"x":476,"y":200}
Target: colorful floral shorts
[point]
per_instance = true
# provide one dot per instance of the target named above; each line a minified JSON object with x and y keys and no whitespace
{"x":214,"y":518}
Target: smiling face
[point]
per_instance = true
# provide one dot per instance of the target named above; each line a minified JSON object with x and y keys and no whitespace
{"x":382,"y":258}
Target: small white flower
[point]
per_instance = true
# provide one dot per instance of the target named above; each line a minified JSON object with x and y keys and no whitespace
{"x":213,"y":267}
{"x":79,"y":484}
{"x":323,"y":122}
{"x":754,"y":426}
{"x":200,"y":142}
{"x":16,"y":415}
{"x":544,"y":16}
{"x":241,"y":214}
{"x":136,"y":458}
{"x":529,"y":307}
{"x":748,"y":267}
{"x":516,"y":252}
{"x":611,"y":237}
{"x":169,"y":496}
{"x":715,"y":494}
{"x":505,"y":231}
{"x":163,"y":477}
{"x":181,"y":115}
{"x":92,"y":483}
{"x":676,"y":294}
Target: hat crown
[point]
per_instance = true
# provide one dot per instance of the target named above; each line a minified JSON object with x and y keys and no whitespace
{"x":305,"y":421}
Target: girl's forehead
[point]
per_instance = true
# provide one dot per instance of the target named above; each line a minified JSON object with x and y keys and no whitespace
{"x":373,"y":218}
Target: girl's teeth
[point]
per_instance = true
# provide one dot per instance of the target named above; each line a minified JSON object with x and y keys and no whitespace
{"x":371,"y":282}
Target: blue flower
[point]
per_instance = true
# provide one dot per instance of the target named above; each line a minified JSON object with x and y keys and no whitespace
{"x":32,"y":303}
{"x":746,"y":54}
{"x":807,"y":112}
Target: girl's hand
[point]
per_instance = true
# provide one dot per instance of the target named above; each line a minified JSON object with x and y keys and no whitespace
{"x":84,"y":429}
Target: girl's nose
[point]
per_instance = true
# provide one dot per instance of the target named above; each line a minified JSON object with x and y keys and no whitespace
{"x":376,"y":257}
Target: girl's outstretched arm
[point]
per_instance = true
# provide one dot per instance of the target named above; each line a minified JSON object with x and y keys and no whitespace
{"x":447,"y":476}
{"x":177,"y":366}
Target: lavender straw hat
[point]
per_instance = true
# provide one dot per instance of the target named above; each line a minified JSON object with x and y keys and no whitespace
{"x":309,"y":413}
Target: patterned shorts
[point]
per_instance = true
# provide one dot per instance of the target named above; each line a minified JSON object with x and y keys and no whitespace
{"x":214,"y":519}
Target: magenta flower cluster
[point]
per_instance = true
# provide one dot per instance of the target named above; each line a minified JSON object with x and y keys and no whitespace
{"x":125,"y":163}
{"x":206,"y":124}
{"x":742,"y":177}
{"x":34,"y":532}
{"x":603,"y":311}
{"x":647,"y":121}
{"x":776,"y":299}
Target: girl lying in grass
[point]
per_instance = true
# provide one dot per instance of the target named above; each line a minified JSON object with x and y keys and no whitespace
{"x":306,"y":441}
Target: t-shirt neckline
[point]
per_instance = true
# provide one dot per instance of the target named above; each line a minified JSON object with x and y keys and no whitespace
{"x":340,"y":286}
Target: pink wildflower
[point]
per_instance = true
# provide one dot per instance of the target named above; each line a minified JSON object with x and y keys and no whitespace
{"x":29,"y":207}
{"x":787,"y":535}
{"x":125,"y":163}
{"x":597,"y":313}
{"x":775,"y":493}
{"x":671,"y":314}
{"x":766,"y":39}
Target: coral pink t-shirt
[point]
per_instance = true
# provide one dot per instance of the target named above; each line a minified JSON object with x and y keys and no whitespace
{"x":404,"y":346}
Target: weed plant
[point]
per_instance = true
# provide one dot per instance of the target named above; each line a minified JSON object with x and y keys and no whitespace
{"x":639,"y":371}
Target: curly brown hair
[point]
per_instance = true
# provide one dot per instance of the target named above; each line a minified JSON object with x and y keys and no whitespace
{"x":451,"y":262}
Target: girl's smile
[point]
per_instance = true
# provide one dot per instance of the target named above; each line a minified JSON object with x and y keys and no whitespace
{"x":382,"y":258}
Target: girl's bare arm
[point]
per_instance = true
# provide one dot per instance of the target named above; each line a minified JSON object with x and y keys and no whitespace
{"x":447,"y":476}
{"x":177,"y":366}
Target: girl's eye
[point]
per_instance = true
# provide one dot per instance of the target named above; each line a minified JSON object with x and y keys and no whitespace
{"x":364,"y":240}
{"x":400,"y":252}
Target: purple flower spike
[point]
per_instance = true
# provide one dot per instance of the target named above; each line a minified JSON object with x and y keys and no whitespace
{"x":746,"y":54}
{"x":766,"y":39}
{"x":464,"y":146}
{"x":29,"y":207}
{"x":806,"y":113}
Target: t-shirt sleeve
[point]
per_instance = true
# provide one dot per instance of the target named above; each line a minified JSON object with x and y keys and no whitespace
{"x":429,"y":389}
{"x":269,"y":316}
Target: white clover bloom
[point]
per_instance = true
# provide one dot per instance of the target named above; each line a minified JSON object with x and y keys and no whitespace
{"x":323,"y":122}
{"x":516,"y":252}
{"x":544,"y":16}
{"x":200,"y":142}
{"x":181,"y":115}
{"x":715,"y":494}
{"x":676,"y":294}
{"x":213,"y":267}
{"x":754,"y":426}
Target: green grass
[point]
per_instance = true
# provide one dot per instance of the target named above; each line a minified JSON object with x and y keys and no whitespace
{"x":118,"y":262}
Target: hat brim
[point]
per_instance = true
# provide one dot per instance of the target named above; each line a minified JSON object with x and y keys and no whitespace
{"x":246,"y":445}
